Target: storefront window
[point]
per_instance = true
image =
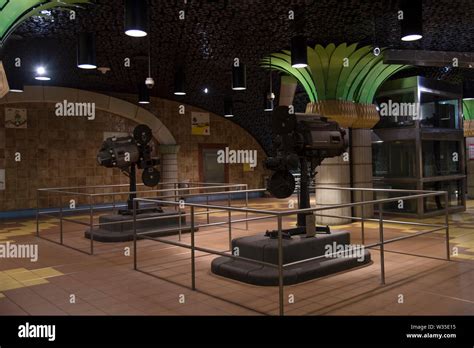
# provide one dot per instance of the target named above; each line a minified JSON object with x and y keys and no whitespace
{"x":441,"y":158}
{"x":398,"y":206}
{"x":439,"y":112}
{"x":395,"y":159}
{"x":454,"y":189}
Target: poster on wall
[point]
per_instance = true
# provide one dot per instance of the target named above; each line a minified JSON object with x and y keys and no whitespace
{"x":200,"y":124}
{"x":2,"y":179}
{"x":15,"y":118}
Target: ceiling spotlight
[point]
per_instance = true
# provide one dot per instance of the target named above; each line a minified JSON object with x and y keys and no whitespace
{"x":143,"y":94}
{"x":136,"y":18}
{"x":179,"y":82}
{"x":206,"y":90}
{"x":86,"y":53}
{"x":228,"y":107}
{"x":412,"y":21}
{"x":299,"y":52}
{"x":239,"y":77}
{"x":41,"y":74}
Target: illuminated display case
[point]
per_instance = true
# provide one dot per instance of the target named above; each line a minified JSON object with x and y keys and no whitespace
{"x":419,"y":144}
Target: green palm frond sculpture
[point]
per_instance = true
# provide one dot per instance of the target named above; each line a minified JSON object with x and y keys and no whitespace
{"x":468,"y":109}
{"x":468,"y":114}
{"x":337,"y":77}
{"x":15,"y":12}
{"x":337,"y":72}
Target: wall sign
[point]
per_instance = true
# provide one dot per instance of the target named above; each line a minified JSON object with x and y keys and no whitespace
{"x":15,"y":118}
{"x":200,"y":124}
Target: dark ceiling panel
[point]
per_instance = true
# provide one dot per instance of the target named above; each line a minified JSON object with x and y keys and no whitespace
{"x":215,"y":32}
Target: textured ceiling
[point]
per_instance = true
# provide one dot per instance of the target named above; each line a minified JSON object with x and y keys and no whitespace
{"x":217,"y":31}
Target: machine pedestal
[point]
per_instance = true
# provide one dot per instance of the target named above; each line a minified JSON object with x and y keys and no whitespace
{"x":295,"y":249}
{"x":122,"y":232}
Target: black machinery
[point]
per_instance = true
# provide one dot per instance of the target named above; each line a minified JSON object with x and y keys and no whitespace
{"x":128,"y":154}
{"x":301,"y":141}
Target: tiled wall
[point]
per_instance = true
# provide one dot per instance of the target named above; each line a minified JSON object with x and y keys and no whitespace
{"x":61,"y":151}
{"x":55,"y":152}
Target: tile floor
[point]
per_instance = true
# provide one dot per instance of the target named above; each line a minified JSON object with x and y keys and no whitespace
{"x":64,"y":281}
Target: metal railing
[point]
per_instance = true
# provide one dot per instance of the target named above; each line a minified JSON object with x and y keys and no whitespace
{"x":279,"y":215}
{"x":174,"y":193}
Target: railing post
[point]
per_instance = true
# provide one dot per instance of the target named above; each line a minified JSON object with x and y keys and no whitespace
{"x":280,"y":267}
{"x":207,"y":209}
{"x":180,"y":224}
{"x":134,"y":236}
{"x":446,"y":221}
{"x":37,"y":212}
{"x":229,"y":221}
{"x":61,"y":219}
{"x":91,"y":224}
{"x":382,"y":255}
{"x":193,"y":266}
{"x":246,"y":206}
{"x":362,"y":224}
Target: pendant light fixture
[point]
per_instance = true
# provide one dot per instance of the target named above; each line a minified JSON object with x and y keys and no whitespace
{"x":15,"y":83}
{"x":239,"y":77}
{"x":42,"y":74}
{"x":86,"y":53}
{"x":136,"y":18}
{"x":468,"y":90}
{"x":299,"y":52}
{"x":412,"y":20}
{"x":143,"y":94}
{"x":228,"y":107}
{"x":149,"y":82}
{"x":179,"y":82}
{"x":270,"y":96}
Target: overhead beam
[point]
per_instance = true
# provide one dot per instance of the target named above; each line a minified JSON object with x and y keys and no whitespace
{"x":429,"y":58}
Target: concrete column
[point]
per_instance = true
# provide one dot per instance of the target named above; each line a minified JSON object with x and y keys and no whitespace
{"x":169,"y":162}
{"x":362,"y":168}
{"x":333,"y":172}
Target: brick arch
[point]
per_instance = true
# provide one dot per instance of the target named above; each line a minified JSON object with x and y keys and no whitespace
{"x":119,"y":107}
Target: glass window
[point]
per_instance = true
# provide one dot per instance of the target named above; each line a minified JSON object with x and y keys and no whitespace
{"x":441,"y":158}
{"x":439,"y":112}
{"x":394,"y":159}
{"x":399,"y":206}
{"x":454,"y":189}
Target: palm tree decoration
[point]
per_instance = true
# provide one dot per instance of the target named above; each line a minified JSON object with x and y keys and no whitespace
{"x":341,"y":81}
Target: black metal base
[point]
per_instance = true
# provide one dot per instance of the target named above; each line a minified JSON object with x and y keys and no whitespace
{"x":119,"y":228}
{"x":295,"y":249}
